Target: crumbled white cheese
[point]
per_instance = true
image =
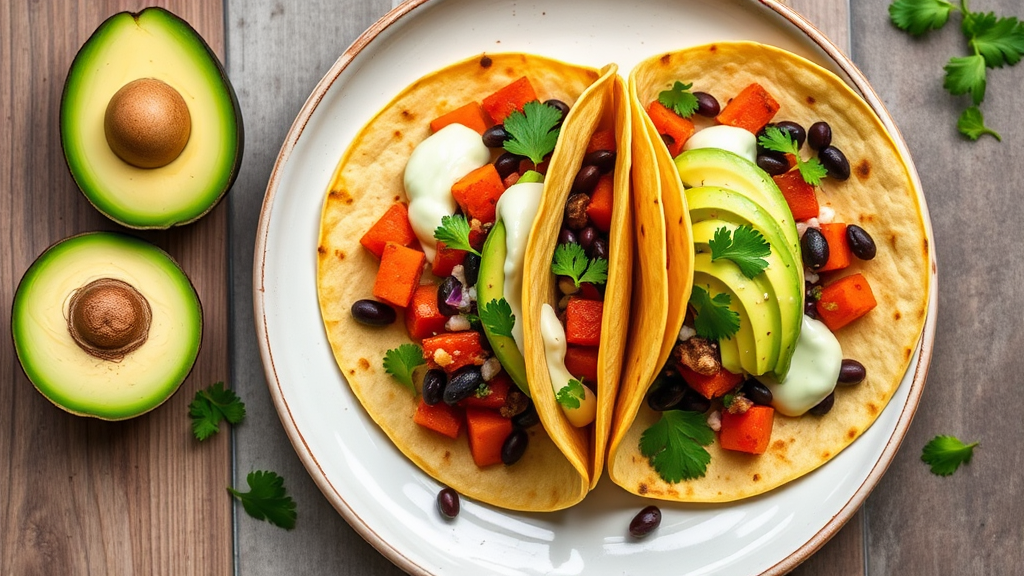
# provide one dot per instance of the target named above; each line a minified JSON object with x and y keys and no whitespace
{"x":826,"y":215}
{"x":715,"y":421}
{"x":686,"y":332}
{"x":457,"y":323}
{"x":810,"y":276}
{"x":442,"y":358}
{"x":490,"y":368}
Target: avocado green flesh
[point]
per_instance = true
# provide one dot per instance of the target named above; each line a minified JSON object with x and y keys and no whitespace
{"x":785,"y":277}
{"x":151,"y":44}
{"x":491,"y":286}
{"x":743,"y":340}
{"x":79,"y":382}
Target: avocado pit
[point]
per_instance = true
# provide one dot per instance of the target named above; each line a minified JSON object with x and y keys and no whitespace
{"x":109,"y":318}
{"x":147,"y":123}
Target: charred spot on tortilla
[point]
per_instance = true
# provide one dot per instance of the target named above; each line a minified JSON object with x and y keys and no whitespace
{"x":485,"y":61}
{"x":667,"y":58}
{"x":893,"y":240}
{"x":322,"y":250}
{"x":851,"y":433}
{"x":407,"y":115}
{"x":364,"y":363}
{"x":896,"y":315}
{"x":811,"y":101}
{"x":756,"y":477}
{"x":863,"y":169}
{"x":642,"y":489}
{"x":397,"y":198}
{"x":872,"y":407}
{"x":339,"y":254}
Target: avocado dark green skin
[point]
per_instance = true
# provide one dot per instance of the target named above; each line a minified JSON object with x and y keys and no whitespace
{"x":225,"y":177}
{"x":491,"y":286}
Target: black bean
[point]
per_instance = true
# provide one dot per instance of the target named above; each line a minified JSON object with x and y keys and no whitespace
{"x":851,"y":372}
{"x":757,"y":392}
{"x":819,"y":135}
{"x":586,"y":180}
{"x":645,"y":522}
{"x":462,"y":384}
{"x":448,"y":285}
{"x":814,"y":248}
{"x":527,"y":418}
{"x":514,"y":446}
{"x":576,"y":211}
{"x":824,"y":406}
{"x":757,"y":138}
{"x":566,"y":236}
{"x":773,"y":163}
{"x":586,"y":237}
{"x":603,"y":159}
{"x":495,"y":136}
{"x":372,"y":313}
{"x":448,"y":503}
{"x":811,"y":309}
{"x":707,"y":105}
{"x":835,"y":162}
{"x":507,"y":164}
{"x":599,"y":249}
{"x":434,"y":382}
{"x":795,"y":131}
{"x":693,"y":402}
{"x":668,"y":393}
{"x":860,"y":241}
{"x":560,"y":106}
{"x":471,"y":268}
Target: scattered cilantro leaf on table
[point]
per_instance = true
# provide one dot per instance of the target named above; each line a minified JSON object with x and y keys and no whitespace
{"x":674,"y":445}
{"x":571,"y":260}
{"x":210,"y":406}
{"x":497,"y":317}
{"x":679,"y":99}
{"x":267,"y":499}
{"x":402,"y":361}
{"x":966,"y":75}
{"x":454,"y":232}
{"x":714,"y":319}
{"x":972,"y":124}
{"x":920,"y":16}
{"x":745,"y":247}
{"x":533,"y":132}
{"x":778,"y":140}
{"x":999,"y":40}
{"x":946,"y":453}
{"x":571,"y":394}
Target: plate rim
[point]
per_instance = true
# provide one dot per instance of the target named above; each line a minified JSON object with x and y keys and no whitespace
{"x":309,"y":460}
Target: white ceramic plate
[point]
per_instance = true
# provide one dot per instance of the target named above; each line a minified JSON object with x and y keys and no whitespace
{"x":387,"y":499}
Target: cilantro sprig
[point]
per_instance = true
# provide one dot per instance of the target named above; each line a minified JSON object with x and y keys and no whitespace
{"x":946,"y":453}
{"x":571,"y":395}
{"x":674,"y":445}
{"x":679,"y":99}
{"x":995,"y":41}
{"x":267,"y":499}
{"x":745,"y":247}
{"x":714,"y":319}
{"x":402,"y":361}
{"x":454,"y":232}
{"x":497,"y":317}
{"x":778,"y":140}
{"x":534,"y":131}
{"x":210,"y":406}
{"x":571,"y":260}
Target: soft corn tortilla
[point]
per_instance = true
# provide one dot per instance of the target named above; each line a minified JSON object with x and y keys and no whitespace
{"x":881,"y":196}
{"x":369,"y":178}
{"x":603,"y":106}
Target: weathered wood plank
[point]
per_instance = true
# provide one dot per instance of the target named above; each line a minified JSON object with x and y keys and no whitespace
{"x":81,"y":496}
{"x":970,"y":523}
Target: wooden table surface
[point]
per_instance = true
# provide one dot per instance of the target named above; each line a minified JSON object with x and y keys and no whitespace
{"x":80,"y":496}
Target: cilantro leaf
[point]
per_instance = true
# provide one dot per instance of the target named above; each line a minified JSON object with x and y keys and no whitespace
{"x":972,"y":124}
{"x":946,"y":453}
{"x":571,"y":260}
{"x":497,"y":317}
{"x":920,"y":16}
{"x":533,"y":132}
{"x":212,"y":405}
{"x":714,"y":320}
{"x":454,"y":232}
{"x":745,"y":247}
{"x":999,"y":41}
{"x":571,"y":394}
{"x":679,"y":99}
{"x":966,"y":75}
{"x":400,"y":363}
{"x":778,"y":140}
{"x":674,"y":445}
{"x":267,"y":499}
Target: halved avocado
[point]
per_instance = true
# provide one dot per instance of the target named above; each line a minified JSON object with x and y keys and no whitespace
{"x":150,"y":125}
{"x":491,"y":286}
{"x":106,"y":325}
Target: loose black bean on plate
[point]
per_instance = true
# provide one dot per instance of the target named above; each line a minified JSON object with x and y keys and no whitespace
{"x":645,"y":522}
{"x":851,"y":372}
{"x":372,"y":313}
{"x":448,"y":503}
{"x":795,"y":131}
{"x":707,"y":105}
{"x":861,"y":243}
{"x":835,"y":162}
{"x":814,"y":248}
{"x":824,"y":406}
{"x":495,"y":136}
{"x":604,"y":160}
{"x":773,"y":163}
{"x":434,"y":382}
{"x":514,"y":446}
{"x":819,"y":135}
{"x":462,"y":384}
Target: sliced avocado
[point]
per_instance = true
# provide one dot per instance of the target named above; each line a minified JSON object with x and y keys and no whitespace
{"x":784,"y":273}
{"x":742,"y":343}
{"x":491,"y":286}
{"x":150,"y":125}
{"x":754,"y":305}
{"x":106,"y":325}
